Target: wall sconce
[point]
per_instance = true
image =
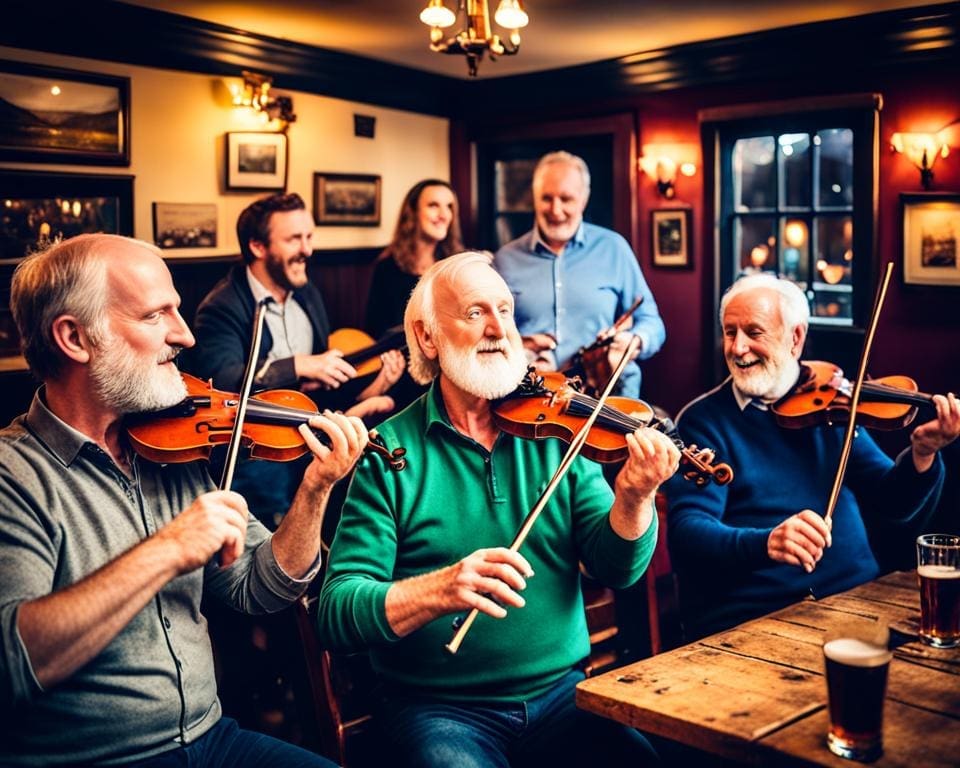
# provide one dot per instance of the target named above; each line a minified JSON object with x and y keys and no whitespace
{"x":921,"y":149}
{"x":255,"y":93}
{"x":663,"y":170}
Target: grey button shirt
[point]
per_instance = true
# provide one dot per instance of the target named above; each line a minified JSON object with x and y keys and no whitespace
{"x":65,"y":511}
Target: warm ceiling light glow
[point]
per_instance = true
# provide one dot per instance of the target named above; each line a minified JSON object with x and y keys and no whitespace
{"x":475,"y":39}
{"x":55,"y":90}
{"x":436,"y":14}
{"x":759,"y":255}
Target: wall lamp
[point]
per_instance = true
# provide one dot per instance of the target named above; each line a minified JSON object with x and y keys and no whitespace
{"x":255,"y":93}
{"x":921,"y":149}
{"x":663,"y":170}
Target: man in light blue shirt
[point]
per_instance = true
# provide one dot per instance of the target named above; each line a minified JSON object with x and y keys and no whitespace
{"x":572,"y":280}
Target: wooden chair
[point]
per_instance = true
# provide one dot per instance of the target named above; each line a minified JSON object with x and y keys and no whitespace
{"x":663,"y":600}
{"x":336,"y":694}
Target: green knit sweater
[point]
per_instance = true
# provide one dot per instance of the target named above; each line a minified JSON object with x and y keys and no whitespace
{"x":453,"y":498}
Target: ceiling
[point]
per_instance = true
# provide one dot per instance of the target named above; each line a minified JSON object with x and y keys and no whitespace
{"x":561,"y":32}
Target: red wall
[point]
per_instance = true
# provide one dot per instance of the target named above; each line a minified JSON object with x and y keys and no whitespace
{"x":919,"y":329}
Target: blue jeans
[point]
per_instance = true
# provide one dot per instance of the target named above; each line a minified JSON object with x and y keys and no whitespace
{"x":547,"y":730}
{"x":226,"y":745}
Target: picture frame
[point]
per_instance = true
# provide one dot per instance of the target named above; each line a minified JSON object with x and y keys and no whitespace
{"x":670,"y":238}
{"x":256,"y":160}
{"x":185,"y":225}
{"x":37,"y":207}
{"x":346,"y":200}
{"x":40,"y":206}
{"x":54,"y":115}
{"x":931,"y":238}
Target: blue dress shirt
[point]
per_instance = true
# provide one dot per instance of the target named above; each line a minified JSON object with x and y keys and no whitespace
{"x":583,"y":291}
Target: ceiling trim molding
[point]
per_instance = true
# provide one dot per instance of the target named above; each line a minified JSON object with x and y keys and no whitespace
{"x":115,"y":31}
{"x":824,"y":53}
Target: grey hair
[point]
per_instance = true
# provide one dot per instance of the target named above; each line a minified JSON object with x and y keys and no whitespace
{"x":565,"y":158}
{"x":67,"y":278}
{"x":421,"y":308}
{"x":794,"y":307}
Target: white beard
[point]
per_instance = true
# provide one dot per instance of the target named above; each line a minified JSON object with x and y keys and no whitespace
{"x":480,"y":372}
{"x":769,"y":380}
{"x":119,"y":380}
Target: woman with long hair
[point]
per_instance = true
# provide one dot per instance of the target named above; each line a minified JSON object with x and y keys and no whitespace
{"x":428,"y":229}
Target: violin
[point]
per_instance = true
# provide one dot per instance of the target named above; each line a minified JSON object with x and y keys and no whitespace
{"x":594,"y":358}
{"x":550,"y":405}
{"x":822,"y":396}
{"x":205,"y":419}
{"x":362,"y":351}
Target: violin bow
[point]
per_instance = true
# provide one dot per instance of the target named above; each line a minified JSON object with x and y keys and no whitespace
{"x":855,"y":393}
{"x":233,"y":448}
{"x":573,"y":450}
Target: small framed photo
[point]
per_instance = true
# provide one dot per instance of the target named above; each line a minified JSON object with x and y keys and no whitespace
{"x":52,"y":115}
{"x":346,"y":199}
{"x":256,"y":160}
{"x":670,"y":236}
{"x":185,"y":225}
{"x":931,"y":238}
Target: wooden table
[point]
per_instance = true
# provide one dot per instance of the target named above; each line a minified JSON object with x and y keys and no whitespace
{"x":756,"y":693}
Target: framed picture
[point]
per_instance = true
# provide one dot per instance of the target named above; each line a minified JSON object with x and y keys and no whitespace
{"x":346,"y":199}
{"x":50,"y":115}
{"x":931,"y":238}
{"x":185,"y":225}
{"x":40,"y":207}
{"x":670,"y":235}
{"x":256,"y":160}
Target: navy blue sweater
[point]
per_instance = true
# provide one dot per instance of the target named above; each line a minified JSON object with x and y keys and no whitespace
{"x":717,"y":535}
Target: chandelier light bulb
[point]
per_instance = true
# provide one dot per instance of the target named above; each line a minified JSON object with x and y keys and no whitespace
{"x":437,"y":15}
{"x":510,"y":15}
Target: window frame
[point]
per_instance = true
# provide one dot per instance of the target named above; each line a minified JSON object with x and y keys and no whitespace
{"x":720,"y":129}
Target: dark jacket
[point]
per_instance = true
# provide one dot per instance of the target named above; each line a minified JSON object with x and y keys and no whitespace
{"x":224,"y":326}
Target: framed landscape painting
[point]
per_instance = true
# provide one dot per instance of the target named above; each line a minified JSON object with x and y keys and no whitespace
{"x":51,"y":115}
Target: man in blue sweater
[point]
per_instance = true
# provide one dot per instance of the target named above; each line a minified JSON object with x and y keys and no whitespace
{"x":753,"y":546}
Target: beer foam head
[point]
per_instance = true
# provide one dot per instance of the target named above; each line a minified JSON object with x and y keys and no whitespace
{"x":938,"y":572}
{"x":856,"y":653}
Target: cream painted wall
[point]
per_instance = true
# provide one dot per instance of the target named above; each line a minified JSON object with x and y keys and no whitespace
{"x":178,"y":123}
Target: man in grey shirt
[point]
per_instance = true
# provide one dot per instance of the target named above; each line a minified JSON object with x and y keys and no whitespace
{"x":105,"y":556}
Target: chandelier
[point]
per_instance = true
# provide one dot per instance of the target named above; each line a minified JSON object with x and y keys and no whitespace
{"x":475,"y":38}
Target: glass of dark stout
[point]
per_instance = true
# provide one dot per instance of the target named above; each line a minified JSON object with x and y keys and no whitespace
{"x":856,"y":660}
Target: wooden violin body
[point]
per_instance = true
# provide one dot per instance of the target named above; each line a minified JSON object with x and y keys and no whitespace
{"x":550,"y":405}
{"x":205,"y":419}
{"x":822,"y":396}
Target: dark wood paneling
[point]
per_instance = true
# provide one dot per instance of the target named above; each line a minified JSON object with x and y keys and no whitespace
{"x":881,"y":42}
{"x":119,"y":32}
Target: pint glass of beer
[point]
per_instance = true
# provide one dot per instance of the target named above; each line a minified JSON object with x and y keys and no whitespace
{"x":856,"y":664}
{"x":938,"y":569}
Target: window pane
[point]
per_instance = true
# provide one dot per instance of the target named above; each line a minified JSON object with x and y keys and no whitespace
{"x":755,"y":241}
{"x":754,"y":173}
{"x":795,"y":250}
{"x":833,"y":286}
{"x":795,"y":170}
{"x":835,"y":167}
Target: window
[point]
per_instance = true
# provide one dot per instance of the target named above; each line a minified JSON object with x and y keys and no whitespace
{"x":795,"y":196}
{"x":792,"y":213}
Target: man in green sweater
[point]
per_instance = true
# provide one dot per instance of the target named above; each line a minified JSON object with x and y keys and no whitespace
{"x":416,"y":548}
